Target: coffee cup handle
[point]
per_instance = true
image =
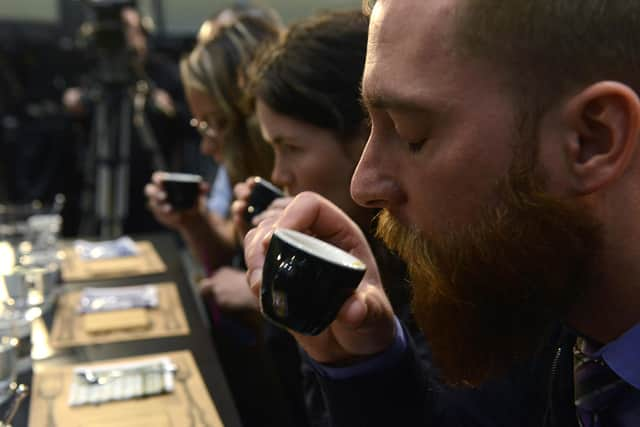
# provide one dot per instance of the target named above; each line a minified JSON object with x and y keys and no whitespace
{"x":278,"y":299}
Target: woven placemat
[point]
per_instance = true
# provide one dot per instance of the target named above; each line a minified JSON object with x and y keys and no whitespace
{"x":188,"y":405}
{"x":147,"y":261}
{"x":168,"y":319}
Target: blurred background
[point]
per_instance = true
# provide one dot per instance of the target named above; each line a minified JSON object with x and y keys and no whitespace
{"x":45,"y":51}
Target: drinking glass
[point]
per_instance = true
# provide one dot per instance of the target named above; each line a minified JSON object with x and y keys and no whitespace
{"x":8,"y":366}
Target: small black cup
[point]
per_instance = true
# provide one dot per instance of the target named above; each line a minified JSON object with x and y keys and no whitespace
{"x":262,"y":194}
{"x":182,"y":189}
{"x":305,"y":281}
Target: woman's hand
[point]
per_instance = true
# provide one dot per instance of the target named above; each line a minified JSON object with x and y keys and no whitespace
{"x":242,"y":191}
{"x":229,"y":289}
{"x":162,"y":210}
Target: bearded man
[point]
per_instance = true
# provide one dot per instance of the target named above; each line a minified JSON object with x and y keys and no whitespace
{"x":504,"y":156}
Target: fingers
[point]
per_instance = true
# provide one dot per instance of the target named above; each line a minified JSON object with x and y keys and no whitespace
{"x":157,"y":200}
{"x":237,"y":217}
{"x":205,"y":284}
{"x":268,"y":214}
{"x":205,"y":188}
{"x":255,"y":244}
{"x":157,"y":178}
{"x":153,"y":191}
{"x":164,"y":102}
{"x":364,"y":326}
{"x":353,"y":312}
{"x":312,"y":212}
{"x":238,"y":208}
{"x":242,"y":190}
{"x":228,"y":288}
{"x":274,"y":210}
{"x":281,"y":203}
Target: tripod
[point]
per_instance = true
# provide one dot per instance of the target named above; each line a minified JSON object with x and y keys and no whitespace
{"x":118,"y":109}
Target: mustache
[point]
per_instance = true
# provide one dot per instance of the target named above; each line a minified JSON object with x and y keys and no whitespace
{"x":406,"y":242}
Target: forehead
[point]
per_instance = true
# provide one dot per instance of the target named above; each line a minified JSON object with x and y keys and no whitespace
{"x":275,"y":125}
{"x":409,"y":42}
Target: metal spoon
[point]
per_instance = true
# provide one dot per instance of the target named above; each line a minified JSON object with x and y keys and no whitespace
{"x":21,"y":392}
{"x":101,"y":378}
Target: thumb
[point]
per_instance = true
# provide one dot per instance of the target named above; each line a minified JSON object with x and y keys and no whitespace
{"x":365,"y":325}
{"x":353,"y":312}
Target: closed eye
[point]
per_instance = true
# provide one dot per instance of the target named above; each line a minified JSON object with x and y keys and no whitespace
{"x":415,"y":147}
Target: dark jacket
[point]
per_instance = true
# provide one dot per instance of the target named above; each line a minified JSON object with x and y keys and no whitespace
{"x":538,"y":393}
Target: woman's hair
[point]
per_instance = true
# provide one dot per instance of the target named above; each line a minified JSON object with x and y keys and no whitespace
{"x":226,"y":44}
{"x":313,"y":73}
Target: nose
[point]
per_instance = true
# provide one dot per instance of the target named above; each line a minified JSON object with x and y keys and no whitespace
{"x":281,"y":176}
{"x":374,"y":183}
{"x":206,"y":147}
{"x":211,"y":147}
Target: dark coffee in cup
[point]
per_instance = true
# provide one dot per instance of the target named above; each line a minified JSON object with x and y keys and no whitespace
{"x":182,"y":189}
{"x":262,"y":194}
{"x":305,"y":281}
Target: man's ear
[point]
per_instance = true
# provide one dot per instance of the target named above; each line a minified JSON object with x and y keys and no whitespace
{"x":605,"y":123}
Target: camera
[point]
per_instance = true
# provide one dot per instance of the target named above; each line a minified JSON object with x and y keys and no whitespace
{"x":109,"y":29}
{"x":108,"y":36}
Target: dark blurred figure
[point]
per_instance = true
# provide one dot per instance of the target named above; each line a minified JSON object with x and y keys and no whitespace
{"x":36,"y":149}
{"x":158,"y":143}
{"x":11,"y":91}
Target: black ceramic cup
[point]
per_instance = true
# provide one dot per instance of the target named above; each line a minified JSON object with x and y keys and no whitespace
{"x":182,"y":189}
{"x":262,"y":194}
{"x":305,"y":281}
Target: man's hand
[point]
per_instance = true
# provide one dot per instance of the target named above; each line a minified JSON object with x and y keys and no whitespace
{"x":72,"y":100}
{"x":228,"y":288}
{"x":164,"y":212}
{"x":365,"y":325}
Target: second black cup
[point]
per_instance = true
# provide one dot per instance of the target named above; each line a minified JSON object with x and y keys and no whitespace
{"x":182,"y":189}
{"x":262,"y":194}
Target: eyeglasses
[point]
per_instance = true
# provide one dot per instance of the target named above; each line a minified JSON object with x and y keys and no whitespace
{"x":206,"y":130}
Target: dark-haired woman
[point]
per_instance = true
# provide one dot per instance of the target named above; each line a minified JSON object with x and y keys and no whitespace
{"x":213,"y":75}
{"x":306,"y":93}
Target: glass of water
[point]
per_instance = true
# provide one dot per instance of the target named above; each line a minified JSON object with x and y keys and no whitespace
{"x":8,"y":366}
{"x":21,"y":302}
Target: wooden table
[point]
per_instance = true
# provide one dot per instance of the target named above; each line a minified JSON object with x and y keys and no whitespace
{"x":198,"y":342}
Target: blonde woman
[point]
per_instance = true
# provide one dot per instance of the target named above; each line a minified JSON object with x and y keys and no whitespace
{"x":212,"y":75}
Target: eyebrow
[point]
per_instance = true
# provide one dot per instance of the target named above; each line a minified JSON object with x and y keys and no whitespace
{"x":381,"y":101}
{"x":278,"y":139}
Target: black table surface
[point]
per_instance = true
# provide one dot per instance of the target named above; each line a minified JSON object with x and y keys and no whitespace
{"x":199,"y":340}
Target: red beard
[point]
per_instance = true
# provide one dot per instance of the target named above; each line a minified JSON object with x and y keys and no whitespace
{"x":487,"y":295}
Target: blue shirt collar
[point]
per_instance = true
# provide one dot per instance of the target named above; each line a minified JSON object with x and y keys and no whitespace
{"x":623,"y":356}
